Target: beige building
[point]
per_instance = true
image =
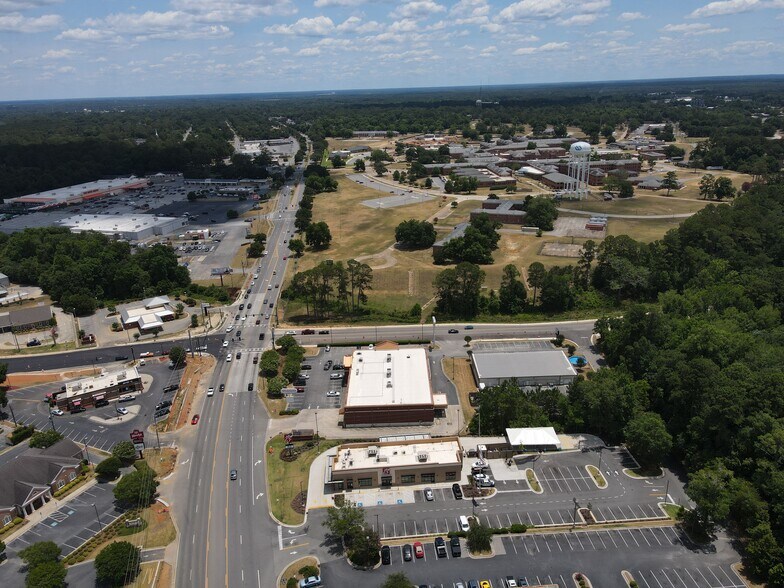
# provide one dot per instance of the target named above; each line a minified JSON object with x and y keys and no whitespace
{"x":395,"y":463}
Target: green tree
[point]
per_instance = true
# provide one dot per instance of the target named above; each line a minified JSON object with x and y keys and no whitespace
{"x":118,"y":563}
{"x":359,"y":165}
{"x":478,"y":537}
{"x":626,"y":189}
{"x":231,"y":214}
{"x":541,"y":212}
{"x":342,"y":520}
{"x":270,"y":361}
{"x":138,"y":488}
{"x":428,"y":183}
{"x":707,"y":186}
{"x":50,"y":574}
{"x":397,"y":580}
{"x":365,"y":546}
{"x":379,"y":168}
{"x":415,"y":234}
{"x":723,"y":188}
{"x":536,"y":275}
{"x":3,"y":374}
{"x":297,"y":247}
{"x":648,"y":440}
{"x":194,"y":321}
{"x":124,"y":451}
{"x":286,"y":343}
{"x":109,"y":468}
{"x":670,"y":182}
{"x":275,"y":386}
{"x":44,"y":439}
{"x":458,"y":289}
{"x":318,"y":236}
{"x":338,"y":161}
{"x":512,"y":293}
{"x":710,"y":490}
{"x":40,"y":553}
{"x":177,"y":355}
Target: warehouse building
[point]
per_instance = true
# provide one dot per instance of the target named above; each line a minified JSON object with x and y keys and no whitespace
{"x":129,"y":227}
{"x":528,"y":369}
{"x":394,"y":463}
{"x":85,"y":392}
{"x":390,"y":386}
{"x":509,"y":212}
{"x":26,"y":319}
{"x":79,"y":193}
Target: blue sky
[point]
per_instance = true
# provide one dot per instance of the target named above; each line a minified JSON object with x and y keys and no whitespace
{"x":88,"y":48}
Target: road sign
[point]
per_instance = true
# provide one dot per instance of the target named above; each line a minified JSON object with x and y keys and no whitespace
{"x":288,"y":437}
{"x":137,"y":436}
{"x":138,"y":446}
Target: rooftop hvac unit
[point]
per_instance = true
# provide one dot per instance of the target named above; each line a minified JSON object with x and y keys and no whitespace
{"x":389,"y":383}
{"x":372,"y":450}
{"x":121,"y":376}
{"x":351,"y":462}
{"x":389,"y":373}
{"x":382,"y":458}
{"x":389,"y":357}
{"x":422,"y":457}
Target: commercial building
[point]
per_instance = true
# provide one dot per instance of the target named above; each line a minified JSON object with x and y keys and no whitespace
{"x":79,"y":193}
{"x":528,"y":369}
{"x":4,"y":281}
{"x":26,"y":319}
{"x":458,"y":231}
{"x":147,"y":314}
{"x":85,"y":392}
{"x":389,"y":387}
{"x":486,"y":178}
{"x":394,"y":463}
{"x":509,"y":212}
{"x":534,"y":439}
{"x":29,"y":481}
{"x":129,"y":227}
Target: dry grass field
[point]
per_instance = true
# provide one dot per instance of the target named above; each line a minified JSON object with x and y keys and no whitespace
{"x":640,"y":204}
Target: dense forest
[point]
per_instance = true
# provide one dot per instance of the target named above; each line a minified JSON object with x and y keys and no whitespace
{"x":81,"y":271}
{"x":44,"y":145}
{"x":698,"y":371}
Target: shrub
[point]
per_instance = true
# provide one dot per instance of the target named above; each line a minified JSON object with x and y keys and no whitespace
{"x":518,"y":528}
{"x":21,"y":433}
{"x":44,"y":439}
{"x":308,"y":571}
{"x":288,"y":412}
{"x":291,"y":583}
{"x":109,"y":468}
{"x":632,"y":584}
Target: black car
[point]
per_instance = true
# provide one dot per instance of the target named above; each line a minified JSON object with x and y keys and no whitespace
{"x":454,"y":546}
{"x":306,"y":366}
{"x":233,"y":474}
{"x":323,"y":332}
{"x":385,"y":555}
{"x":457,"y":491}
{"x":222,"y":387}
{"x":271,"y":304}
{"x":408,"y":552}
{"x":171,"y":388}
{"x":250,"y":387}
{"x":163,"y":404}
{"x":120,"y":357}
{"x":453,"y":331}
{"x":76,"y":409}
{"x":440,"y":545}
{"x":102,"y":402}
{"x":161,"y":413}
{"x":239,"y":354}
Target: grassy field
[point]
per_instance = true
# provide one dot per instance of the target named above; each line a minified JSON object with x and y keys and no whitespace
{"x":642,"y":230}
{"x":286,"y":478}
{"x":641,"y":204}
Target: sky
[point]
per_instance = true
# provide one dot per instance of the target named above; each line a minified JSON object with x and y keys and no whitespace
{"x":95,"y":48}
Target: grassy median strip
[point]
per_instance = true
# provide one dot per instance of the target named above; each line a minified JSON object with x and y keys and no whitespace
{"x":597,"y":476}
{"x":532,"y":481}
{"x":288,"y":478}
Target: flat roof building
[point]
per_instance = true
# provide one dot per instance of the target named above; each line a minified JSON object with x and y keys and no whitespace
{"x":130,"y":227}
{"x":389,"y":387}
{"x":149,"y":314}
{"x":26,"y":319}
{"x":85,"y":392}
{"x":383,"y":464}
{"x":458,"y":231}
{"x":78,"y":193}
{"x":504,"y":211}
{"x":528,"y":369}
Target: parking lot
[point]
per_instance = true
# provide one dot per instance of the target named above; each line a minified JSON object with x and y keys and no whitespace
{"x":400,"y":196}
{"x":319,"y":383}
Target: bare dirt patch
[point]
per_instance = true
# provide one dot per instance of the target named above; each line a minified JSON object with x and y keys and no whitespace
{"x":561,"y":250}
{"x":197,"y":370}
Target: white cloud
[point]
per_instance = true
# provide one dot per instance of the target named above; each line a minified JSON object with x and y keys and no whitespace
{"x":629,"y":16}
{"x":11,"y":6}
{"x":418,"y":9}
{"x":327,"y":3}
{"x":528,"y":10}
{"x":489,"y":51}
{"x":16,"y":23}
{"x":725,"y":7}
{"x":280,"y":50}
{"x":58,"y":54}
{"x":319,"y":26}
{"x":308,"y":52}
{"x":694,"y":28}
{"x":89,"y":35}
{"x":470,"y":12}
{"x":547,"y":47}
{"x":66,"y":69}
{"x":222,"y":11}
{"x":579,"y":20}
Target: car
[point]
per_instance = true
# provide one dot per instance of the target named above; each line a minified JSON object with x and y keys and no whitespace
{"x":440,"y":546}
{"x":510,"y":582}
{"x":327,"y":348}
{"x":77,"y":409}
{"x":243,"y":319}
{"x":454,"y":546}
{"x":272,"y":305}
{"x":122,"y":410}
{"x":147,"y":354}
{"x":171,"y":388}
{"x":478,"y":467}
{"x":310,"y":582}
{"x":228,"y":358}
{"x":255,"y":276}
{"x":452,"y":331}
{"x":308,"y":331}
{"x":57,"y":412}
{"x":419,"y":551}
{"x":250,"y":387}
{"x":304,"y":376}
{"x":258,"y":321}
{"x":429,"y":494}
{"x":335,"y":376}
{"x":332,"y":393}
{"x":386,"y":558}
{"x":269,"y":286}
{"x":252,"y":283}
{"x":485,"y":584}
{"x":120,"y":358}
{"x":222,"y":387}
{"x":163,"y":404}
{"x":277,"y":285}
{"x":255,"y":359}
{"x":274,"y":272}
{"x":465,"y":525}
{"x":408,"y":553}
{"x":469,"y":327}
{"x":457,"y":491}
{"x":233,"y":474}
{"x":306,"y":366}
{"x":242,"y":306}
{"x":225,"y":343}
{"x":126,"y":398}
{"x":195,"y":420}
{"x":229,"y":329}
{"x":210,"y":391}
{"x":239,"y":354}
{"x":290,"y":332}
{"x":323,"y":332}
{"x":522,"y":582}
{"x":485,"y":483}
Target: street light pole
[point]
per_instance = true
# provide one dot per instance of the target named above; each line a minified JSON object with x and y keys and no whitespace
{"x":574,"y":514}
{"x":318,"y":439}
{"x":97,"y":516}
{"x":51,"y":418}
{"x":86,"y":451}
{"x":601,"y":453}
{"x":13,"y":416}
{"x":434,"y":329}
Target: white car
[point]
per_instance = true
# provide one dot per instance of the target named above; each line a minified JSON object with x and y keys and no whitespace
{"x":229,"y":329}
{"x":333,"y":393}
{"x":291,"y":332}
{"x":210,"y":391}
{"x":122,"y":410}
{"x":243,"y":318}
{"x":255,"y":276}
{"x":57,"y":412}
{"x":253,"y":282}
{"x":225,"y":343}
{"x":228,"y":358}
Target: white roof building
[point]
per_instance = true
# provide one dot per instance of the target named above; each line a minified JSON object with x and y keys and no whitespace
{"x":131,"y":227}
{"x":534,"y":438}
{"x":149,"y":314}
{"x":79,"y":192}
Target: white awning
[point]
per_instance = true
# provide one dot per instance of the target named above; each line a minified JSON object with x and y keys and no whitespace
{"x":533,"y":437}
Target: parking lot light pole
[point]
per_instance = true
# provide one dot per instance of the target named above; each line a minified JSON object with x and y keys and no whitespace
{"x":97,"y":516}
{"x":51,"y":418}
{"x":601,"y":453}
{"x":86,"y":451}
{"x":574,"y":514}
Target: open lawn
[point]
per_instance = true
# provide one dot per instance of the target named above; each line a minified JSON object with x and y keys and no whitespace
{"x":286,"y":478}
{"x":642,"y":230}
{"x":640,"y":204}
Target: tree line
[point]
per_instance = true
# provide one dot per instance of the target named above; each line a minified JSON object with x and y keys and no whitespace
{"x":331,"y":289}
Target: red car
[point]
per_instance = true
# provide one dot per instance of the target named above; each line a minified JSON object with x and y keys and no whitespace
{"x":285,"y":258}
{"x":195,"y":420}
{"x":419,"y":551}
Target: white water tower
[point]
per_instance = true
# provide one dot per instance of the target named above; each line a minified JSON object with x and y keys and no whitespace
{"x":579,"y":168}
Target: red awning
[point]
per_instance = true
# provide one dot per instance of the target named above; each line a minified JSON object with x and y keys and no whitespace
{"x":98,"y":397}
{"x":76,"y":403}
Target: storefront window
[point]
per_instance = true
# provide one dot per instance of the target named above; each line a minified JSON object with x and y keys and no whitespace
{"x":365,"y":482}
{"x":428,"y":478}
{"x":408,"y":479}
{"x":451,"y":476}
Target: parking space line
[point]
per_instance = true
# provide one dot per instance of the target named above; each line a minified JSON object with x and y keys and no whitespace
{"x":677,"y":575}
{"x":642,"y":533}
{"x":729,"y":578}
{"x":622,"y":539}
{"x":643,"y":578}
{"x":653,"y":533}
{"x":634,"y":516}
{"x":588,"y":536}
{"x":558,"y":543}
{"x":715,"y":576}
{"x":664,"y":571}
{"x":697,"y":584}
{"x":704,"y":578}
{"x":599,"y":536}
{"x":657,"y":579}
{"x":580,"y":541}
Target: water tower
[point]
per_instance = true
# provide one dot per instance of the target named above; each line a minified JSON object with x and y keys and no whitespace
{"x":579,"y":168}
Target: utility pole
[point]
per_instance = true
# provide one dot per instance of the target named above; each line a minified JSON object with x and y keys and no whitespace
{"x":13,"y":416}
{"x":601,"y":452}
{"x":51,"y":417}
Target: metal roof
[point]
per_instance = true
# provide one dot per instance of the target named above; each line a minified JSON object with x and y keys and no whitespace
{"x":518,"y":364}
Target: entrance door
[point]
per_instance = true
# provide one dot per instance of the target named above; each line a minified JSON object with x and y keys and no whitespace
{"x":349,"y":484}
{"x":386,"y":481}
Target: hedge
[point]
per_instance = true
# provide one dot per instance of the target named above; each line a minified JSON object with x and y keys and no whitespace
{"x":21,"y":433}
{"x":109,"y":531}
{"x":287,"y":412}
{"x":69,"y":485}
